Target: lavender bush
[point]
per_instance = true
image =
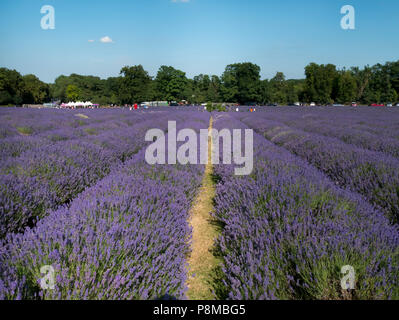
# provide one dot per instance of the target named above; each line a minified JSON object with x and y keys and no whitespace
{"x":372,"y":174}
{"x":76,"y":194}
{"x":127,"y":237}
{"x":363,"y":127}
{"x":287,"y":231}
{"x":41,"y":175}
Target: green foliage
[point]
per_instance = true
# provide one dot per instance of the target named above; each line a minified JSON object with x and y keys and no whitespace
{"x":72,"y":92}
{"x":319,"y":83}
{"x":379,"y":87}
{"x":88,"y":87}
{"x":25,"y":130}
{"x":134,"y":86}
{"x":377,"y":84}
{"x":279,"y":88}
{"x":345,"y":88}
{"x":240,"y":83}
{"x":34,"y":91}
{"x":11,"y":87}
{"x":91,"y":131}
{"x":219,"y":107}
{"x":170,"y":84}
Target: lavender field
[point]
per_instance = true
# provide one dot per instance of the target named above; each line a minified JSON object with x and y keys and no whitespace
{"x":77,"y":194}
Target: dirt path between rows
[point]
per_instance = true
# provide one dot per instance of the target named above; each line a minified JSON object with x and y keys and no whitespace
{"x":201,"y":261}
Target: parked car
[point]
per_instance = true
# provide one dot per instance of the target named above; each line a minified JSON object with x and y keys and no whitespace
{"x":377,"y":105}
{"x":354,"y":104}
{"x":338,"y":105}
{"x":251,"y":104}
{"x":389,"y":105}
{"x":312,"y":104}
{"x":397,"y":104}
{"x":271,"y":105}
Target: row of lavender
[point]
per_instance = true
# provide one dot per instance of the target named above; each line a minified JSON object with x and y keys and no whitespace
{"x":367,"y":119}
{"x":45,"y":174}
{"x":126,"y":237}
{"x":372,"y":174}
{"x":27,"y":129}
{"x":288,"y":231}
{"x":16,"y":121}
{"x":364,"y":127}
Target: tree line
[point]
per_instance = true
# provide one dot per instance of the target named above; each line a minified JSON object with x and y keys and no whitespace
{"x":239,"y":83}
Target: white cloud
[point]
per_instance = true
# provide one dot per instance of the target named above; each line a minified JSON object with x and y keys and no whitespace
{"x":91,"y":40}
{"x":106,"y":39}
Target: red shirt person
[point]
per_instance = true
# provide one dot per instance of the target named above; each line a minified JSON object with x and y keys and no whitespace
{"x":135,"y":106}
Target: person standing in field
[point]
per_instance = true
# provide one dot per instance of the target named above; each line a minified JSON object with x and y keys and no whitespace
{"x":135,"y":106}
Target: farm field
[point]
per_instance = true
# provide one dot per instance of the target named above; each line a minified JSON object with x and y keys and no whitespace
{"x":77,"y":194}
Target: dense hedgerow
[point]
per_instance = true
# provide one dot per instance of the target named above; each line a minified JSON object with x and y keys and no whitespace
{"x":288,"y":231}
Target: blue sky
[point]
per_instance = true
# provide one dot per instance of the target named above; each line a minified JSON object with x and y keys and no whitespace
{"x":196,"y":36}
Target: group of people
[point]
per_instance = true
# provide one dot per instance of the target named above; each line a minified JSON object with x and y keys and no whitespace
{"x":251,"y":110}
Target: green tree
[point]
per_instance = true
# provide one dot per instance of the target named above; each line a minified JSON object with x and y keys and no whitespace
{"x":134,"y":85}
{"x":319,"y":83}
{"x":111,"y":91}
{"x":265,"y":92}
{"x":35,"y":91}
{"x":72,"y":92}
{"x":241,"y":83}
{"x":90,"y":88}
{"x":379,"y":88}
{"x":279,"y":88}
{"x":213,"y":92}
{"x":295,"y":89}
{"x":345,"y":90}
{"x":58,"y":88}
{"x":362,"y":77}
{"x":206,"y":88}
{"x":201,"y":85}
{"x":171,"y":84}
{"x":392,"y":69}
{"x":12,"y":87}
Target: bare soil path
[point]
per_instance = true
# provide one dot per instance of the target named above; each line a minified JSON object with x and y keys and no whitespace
{"x":202,"y":261}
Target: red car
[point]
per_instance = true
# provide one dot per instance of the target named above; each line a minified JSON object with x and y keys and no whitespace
{"x":377,"y":105}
